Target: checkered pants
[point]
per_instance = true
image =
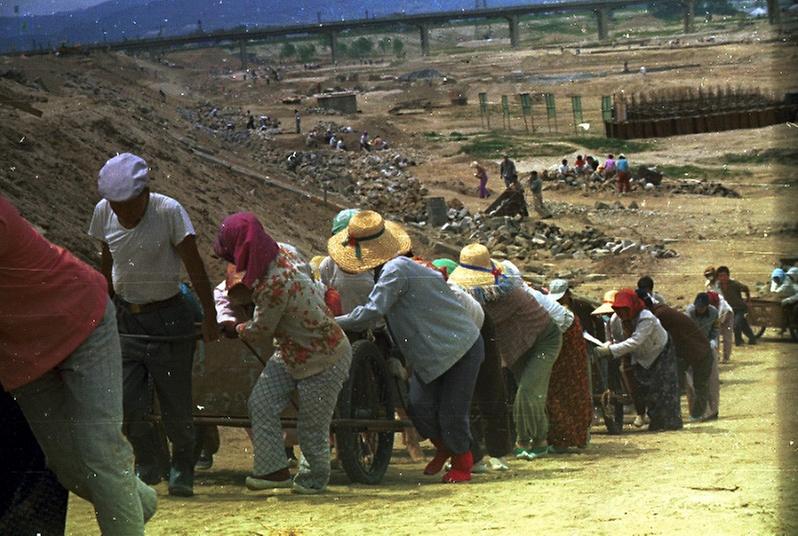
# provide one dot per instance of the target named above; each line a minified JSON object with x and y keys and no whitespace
{"x":318,"y":395}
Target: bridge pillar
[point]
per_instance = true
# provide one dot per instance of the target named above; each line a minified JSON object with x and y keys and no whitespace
{"x":689,"y":15}
{"x":774,"y":12}
{"x":423,"y":30}
{"x":602,"y":20}
{"x":333,"y":36}
{"x":515,"y":34}
{"x":242,"y":45}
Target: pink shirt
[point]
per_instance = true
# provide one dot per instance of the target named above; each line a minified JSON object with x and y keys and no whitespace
{"x":50,"y":301}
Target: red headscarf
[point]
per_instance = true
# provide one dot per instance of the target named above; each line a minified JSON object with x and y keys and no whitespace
{"x":242,"y":241}
{"x":628,"y":298}
{"x":714,"y":298}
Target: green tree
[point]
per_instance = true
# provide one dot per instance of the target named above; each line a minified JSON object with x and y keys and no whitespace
{"x":287,"y":50}
{"x":306,"y":52}
{"x":398,"y":48}
{"x":361,"y":47}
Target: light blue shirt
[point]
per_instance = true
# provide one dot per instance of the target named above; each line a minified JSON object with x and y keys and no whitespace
{"x":622,"y":164}
{"x":428,"y":322}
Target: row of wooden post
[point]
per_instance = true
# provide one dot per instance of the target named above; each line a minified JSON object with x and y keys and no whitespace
{"x":525,"y":100}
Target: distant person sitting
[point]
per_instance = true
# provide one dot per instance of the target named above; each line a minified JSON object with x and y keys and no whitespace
{"x":364,"y":141}
{"x":563,"y":170}
{"x":579,"y":164}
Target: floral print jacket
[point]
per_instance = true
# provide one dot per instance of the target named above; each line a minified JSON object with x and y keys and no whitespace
{"x":289,"y":308}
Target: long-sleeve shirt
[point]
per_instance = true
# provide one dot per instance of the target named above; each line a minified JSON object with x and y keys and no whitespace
{"x":645,"y":344}
{"x":708,"y":322}
{"x":787,"y":291}
{"x":507,"y":170}
{"x":690,"y":342}
{"x":427,"y":321}
{"x":289,"y":308}
{"x":353,"y":288}
{"x":562,"y":316}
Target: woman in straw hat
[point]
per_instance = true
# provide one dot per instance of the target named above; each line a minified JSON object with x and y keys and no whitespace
{"x":529,"y":340}
{"x":635,"y":331}
{"x":312,"y":357}
{"x":432,"y":328}
{"x":481,"y":174}
{"x":354,"y":289}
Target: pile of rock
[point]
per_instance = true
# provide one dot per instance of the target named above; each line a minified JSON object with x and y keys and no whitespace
{"x":519,"y":238}
{"x":699,"y":187}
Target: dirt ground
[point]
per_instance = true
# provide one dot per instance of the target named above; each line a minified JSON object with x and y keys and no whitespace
{"x":733,"y":476}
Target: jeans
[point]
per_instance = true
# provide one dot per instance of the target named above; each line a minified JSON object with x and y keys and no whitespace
{"x":75,"y":412}
{"x":169,"y":365}
{"x":741,"y":326}
{"x":439,"y":409}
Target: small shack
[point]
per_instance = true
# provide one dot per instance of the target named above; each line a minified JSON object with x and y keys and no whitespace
{"x":345,"y":103}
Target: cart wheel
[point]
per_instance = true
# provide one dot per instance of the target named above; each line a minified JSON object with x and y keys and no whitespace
{"x":794,"y":323}
{"x":366,"y":394}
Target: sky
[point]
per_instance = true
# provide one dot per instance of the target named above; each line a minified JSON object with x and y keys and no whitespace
{"x":39,"y":7}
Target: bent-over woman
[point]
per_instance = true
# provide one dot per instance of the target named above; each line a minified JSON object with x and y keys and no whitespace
{"x":312,"y":355}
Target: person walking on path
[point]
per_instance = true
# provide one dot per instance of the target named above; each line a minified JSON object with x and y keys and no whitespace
{"x":529,"y":340}
{"x":705,"y":316}
{"x":536,"y":187}
{"x":298,"y":121}
{"x":60,"y":360}
{"x":570,"y":399}
{"x":145,"y":236}
{"x":433,"y":328}
{"x":482,"y":176}
{"x":312,"y":355}
{"x":635,"y":330}
{"x":508,"y":172}
{"x":733,"y":291}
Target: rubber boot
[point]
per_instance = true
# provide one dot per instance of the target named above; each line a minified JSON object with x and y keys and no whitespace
{"x":442,"y":454}
{"x":461,"y":468}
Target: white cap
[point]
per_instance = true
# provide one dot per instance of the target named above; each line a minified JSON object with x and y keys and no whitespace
{"x":123,"y":177}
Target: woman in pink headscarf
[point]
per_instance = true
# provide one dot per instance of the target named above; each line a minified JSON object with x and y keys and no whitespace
{"x":312,"y":356}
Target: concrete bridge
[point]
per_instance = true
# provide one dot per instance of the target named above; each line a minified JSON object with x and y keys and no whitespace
{"x":423,"y":22}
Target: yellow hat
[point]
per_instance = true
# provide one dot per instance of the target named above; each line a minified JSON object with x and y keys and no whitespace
{"x":367,"y":242}
{"x":476,"y":268}
{"x":606,"y":307}
{"x":315,"y":262}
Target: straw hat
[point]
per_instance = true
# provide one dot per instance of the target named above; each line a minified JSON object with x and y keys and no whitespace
{"x":476,"y":268}
{"x":606,"y":307}
{"x":315,"y":263}
{"x":474,"y":164}
{"x":367,"y":242}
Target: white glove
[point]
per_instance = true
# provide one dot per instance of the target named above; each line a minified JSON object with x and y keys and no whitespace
{"x":603,"y":351}
{"x":713,"y":344}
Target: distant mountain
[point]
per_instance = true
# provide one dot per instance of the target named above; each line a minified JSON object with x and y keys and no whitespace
{"x":132,"y":19}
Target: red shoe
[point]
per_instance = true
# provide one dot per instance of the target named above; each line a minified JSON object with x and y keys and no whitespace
{"x":461,"y":468}
{"x":442,"y":454}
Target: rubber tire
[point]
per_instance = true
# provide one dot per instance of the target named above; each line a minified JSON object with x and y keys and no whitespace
{"x":365,"y":394}
{"x":614,"y":423}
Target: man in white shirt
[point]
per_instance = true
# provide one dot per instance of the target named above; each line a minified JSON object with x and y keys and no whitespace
{"x":146,"y":238}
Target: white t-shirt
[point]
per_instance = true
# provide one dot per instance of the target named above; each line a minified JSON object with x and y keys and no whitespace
{"x":146,"y":263}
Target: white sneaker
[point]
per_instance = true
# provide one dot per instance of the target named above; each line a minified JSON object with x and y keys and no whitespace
{"x":259,"y":484}
{"x":497,"y":464}
{"x":302,"y":490}
{"x":641,"y":420}
{"x":479,"y":468}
